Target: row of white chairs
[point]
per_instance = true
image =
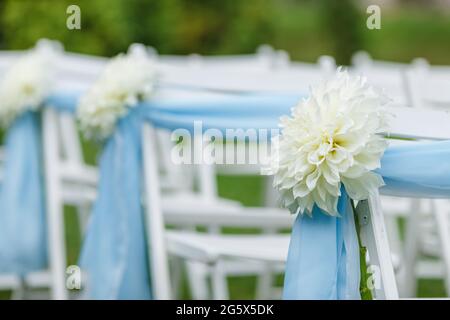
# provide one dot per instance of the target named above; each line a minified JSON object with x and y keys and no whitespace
{"x":70,"y":181}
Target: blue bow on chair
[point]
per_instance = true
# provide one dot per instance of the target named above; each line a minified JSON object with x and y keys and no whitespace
{"x":23,"y":241}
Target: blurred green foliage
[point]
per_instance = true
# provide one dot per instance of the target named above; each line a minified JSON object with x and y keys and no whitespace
{"x":305,"y":28}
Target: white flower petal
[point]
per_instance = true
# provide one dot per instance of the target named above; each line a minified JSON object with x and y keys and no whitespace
{"x":331,"y":138}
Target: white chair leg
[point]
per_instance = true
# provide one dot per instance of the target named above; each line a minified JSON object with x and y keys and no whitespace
{"x":219,"y":282}
{"x":265,"y":278}
{"x":55,"y":223}
{"x":197,"y":274}
{"x":412,"y":241}
{"x":54,"y":206}
{"x":83,"y":211}
{"x":443,"y":229}
{"x":176,"y":270}
{"x":264,"y":284}
{"x":374,"y":237}
{"x":158,"y":256}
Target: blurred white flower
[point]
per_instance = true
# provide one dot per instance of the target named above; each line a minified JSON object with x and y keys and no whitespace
{"x":28,"y":82}
{"x":331,"y":138}
{"x":126,"y":80}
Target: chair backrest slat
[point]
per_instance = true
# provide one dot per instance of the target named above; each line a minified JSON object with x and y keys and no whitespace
{"x":420,"y":123}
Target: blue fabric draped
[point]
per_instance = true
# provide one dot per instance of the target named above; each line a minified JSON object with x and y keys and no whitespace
{"x":220,"y":111}
{"x":315,"y":256}
{"x":323,"y":260}
{"x":23,"y":243}
{"x":114,"y":252}
{"x":23,"y":246}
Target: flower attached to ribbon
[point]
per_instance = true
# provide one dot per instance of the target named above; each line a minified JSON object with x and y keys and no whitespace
{"x":332,"y":138}
{"x":126,"y":80}
{"x":29,"y":81}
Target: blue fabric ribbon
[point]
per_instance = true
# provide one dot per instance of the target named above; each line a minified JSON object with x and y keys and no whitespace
{"x":114,"y":252}
{"x":322,"y":245}
{"x":323,"y":258}
{"x":23,"y":242}
{"x":23,"y":246}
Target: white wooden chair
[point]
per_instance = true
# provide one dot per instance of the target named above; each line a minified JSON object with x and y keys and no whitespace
{"x":232,"y":73}
{"x":389,"y":76}
{"x":294,"y":77}
{"x":68,"y":180}
{"x":429,"y":84}
{"x":423,"y":86}
{"x":211,"y":249}
{"x":427,"y":229}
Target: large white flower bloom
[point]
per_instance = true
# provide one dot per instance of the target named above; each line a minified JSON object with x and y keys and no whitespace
{"x":331,"y":138}
{"x":126,"y":80}
{"x":28,"y":82}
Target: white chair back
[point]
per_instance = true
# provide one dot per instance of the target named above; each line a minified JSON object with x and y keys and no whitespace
{"x":387,"y":76}
{"x":428,"y":85}
{"x":373,"y":230}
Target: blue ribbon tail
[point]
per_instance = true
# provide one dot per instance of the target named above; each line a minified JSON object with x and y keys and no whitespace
{"x":23,"y":242}
{"x":323,"y":258}
{"x":114,"y":253}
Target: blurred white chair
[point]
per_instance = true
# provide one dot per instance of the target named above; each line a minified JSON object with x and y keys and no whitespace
{"x":389,"y":76}
{"x":428,"y":85}
{"x":266,"y":58}
{"x":427,"y":231}
{"x":291,"y":78}
{"x":68,"y":180}
{"x":180,"y":200}
{"x":212,"y":249}
{"x":267,"y":71}
{"x":420,"y":88}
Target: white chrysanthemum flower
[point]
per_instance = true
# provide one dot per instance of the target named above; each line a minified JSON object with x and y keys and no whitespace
{"x":126,"y":80}
{"x":331,"y":138}
{"x":28,"y":82}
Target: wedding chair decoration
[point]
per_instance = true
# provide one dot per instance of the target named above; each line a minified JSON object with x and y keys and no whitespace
{"x":423,"y":87}
{"x":23,"y":90}
{"x":117,"y":260}
{"x":44,"y":168}
{"x":306,"y":187}
{"x":128,"y":265}
{"x":161,"y":104}
{"x":427,"y":230}
{"x":206,"y":73}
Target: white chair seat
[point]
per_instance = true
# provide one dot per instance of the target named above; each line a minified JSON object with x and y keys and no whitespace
{"x":210,"y":248}
{"x":79,"y":183}
{"x":191,"y":210}
{"x":79,"y":174}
